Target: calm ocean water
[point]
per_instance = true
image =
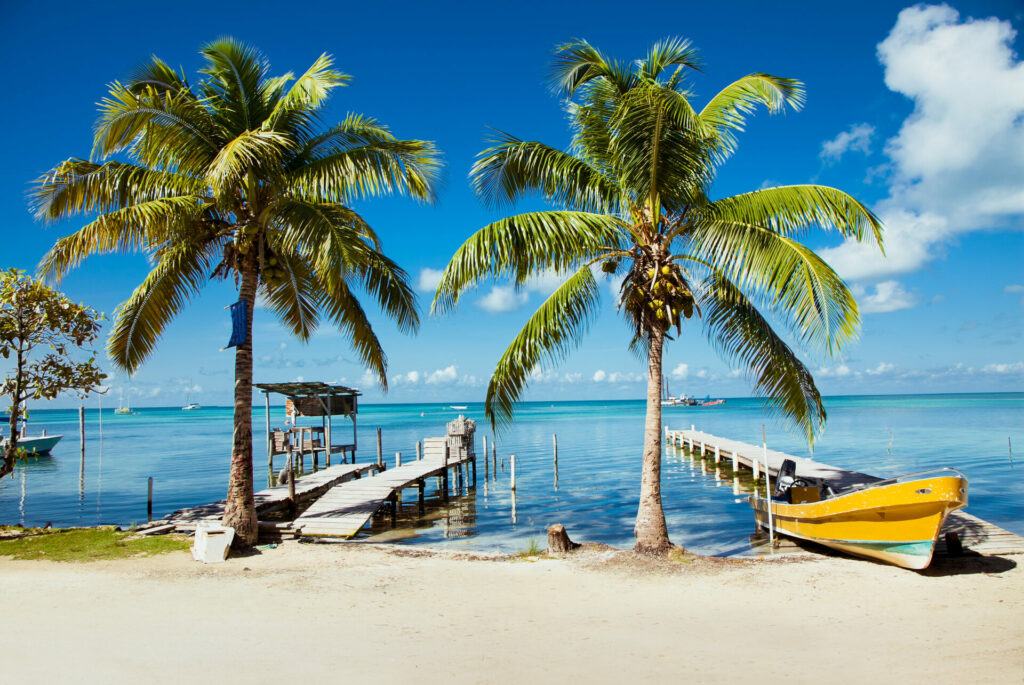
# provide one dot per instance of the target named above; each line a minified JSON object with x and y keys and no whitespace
{"x":599,"y":465}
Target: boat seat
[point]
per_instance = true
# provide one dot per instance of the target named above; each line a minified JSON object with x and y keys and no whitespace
{"x":784,"y":480}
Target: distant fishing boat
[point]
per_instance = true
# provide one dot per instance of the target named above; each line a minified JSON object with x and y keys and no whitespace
{"x":668,"y":400}
{"x":712,"y":403}
{"x":896,"y":521}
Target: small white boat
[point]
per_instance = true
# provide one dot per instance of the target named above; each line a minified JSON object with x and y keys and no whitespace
{"x":457,"y":406}
{"x":190,"y":406}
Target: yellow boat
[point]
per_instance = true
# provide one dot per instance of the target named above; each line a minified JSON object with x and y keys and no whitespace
{"x":896,"y":521}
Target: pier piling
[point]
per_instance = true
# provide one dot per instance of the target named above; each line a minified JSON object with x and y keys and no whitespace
{"x":149,"y":500}
{"x":512,"y":459}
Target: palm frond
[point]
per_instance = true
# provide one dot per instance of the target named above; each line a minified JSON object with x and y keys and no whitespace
{"x":741,"y":333}
{"x":235,"y":72}
{"x":551,"y":333}
{"x":511,"y":168}
{"x":294,"y":298}
{"x":527,"y":243}
{"x":671,"y":52}
{"x":788,"y":210}
{"x":389,"y":284}
{"x":578,"y":63}
{"x":262,"y":151}
{"x":137,"y":227}
{"x":179,"y":274}
{"x":307,"y":93}
{"x":342,"y":306}
{"x":401,"y":167}
{"x":795,"y":282}
{"x":158,"y":75}
{"x":77,"y":186}
{"x":727,"y":111}
{"x":165,"y":131}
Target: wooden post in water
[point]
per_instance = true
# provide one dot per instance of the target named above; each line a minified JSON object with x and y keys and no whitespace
{"x":291,"y":479}
{"x":398,"y":458}
{"x":512,"y":458}
{"x":554,"y":440}
{"x":81,"y":429}
{"x":485,"y":448}
{"x":421,"y":485}
{"x":419,"y":451}
{"x":487,"y":465}
{"x":380,"y":450}
{"x":718,"y":454}
{"x":444,"y":487}
{"x":494,"y":459}
{"x":270,"y":441}
{"x":149,"y":501}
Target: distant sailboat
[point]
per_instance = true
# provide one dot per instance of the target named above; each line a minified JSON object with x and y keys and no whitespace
{"x":189,"y":404}
{"x":122,"y":406}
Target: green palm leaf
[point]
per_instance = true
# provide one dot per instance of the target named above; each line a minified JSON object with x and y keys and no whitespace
{"x":528,"y":243}
{"x":740,"y":333}
{"x":550,"y":334}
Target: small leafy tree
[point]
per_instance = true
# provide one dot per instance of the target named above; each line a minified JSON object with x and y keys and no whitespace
{"x":34,"y":316}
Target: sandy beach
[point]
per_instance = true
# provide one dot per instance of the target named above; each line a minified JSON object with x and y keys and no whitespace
{"x":360,"y":613}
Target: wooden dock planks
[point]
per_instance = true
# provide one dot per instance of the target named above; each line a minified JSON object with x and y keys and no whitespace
{"x":975,"y":534}
{"x":308,"y":486}
{"x":345,"y":508}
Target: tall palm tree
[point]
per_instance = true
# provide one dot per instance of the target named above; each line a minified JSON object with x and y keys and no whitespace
{"x":236,"y":178}
{"x":632,"y":194}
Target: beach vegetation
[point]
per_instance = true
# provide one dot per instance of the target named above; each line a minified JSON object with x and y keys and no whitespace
{"x":44,"y":335}
{"x":236,"y":177}
{"x":85,"y":544}
{"x":631,"y":199}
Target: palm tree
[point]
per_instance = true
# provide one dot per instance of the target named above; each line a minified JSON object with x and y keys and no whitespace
{"x":236,"y":178}
{"x":632,"y":194}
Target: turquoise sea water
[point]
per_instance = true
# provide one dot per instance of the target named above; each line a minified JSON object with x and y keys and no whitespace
{"x":599,"y":465}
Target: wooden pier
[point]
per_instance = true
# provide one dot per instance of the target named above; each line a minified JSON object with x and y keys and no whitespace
{"x":974,"y":533}
{"x":346,"y":508}
{"x":271,"y":499}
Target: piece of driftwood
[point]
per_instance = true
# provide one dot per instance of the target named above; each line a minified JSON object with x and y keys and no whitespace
{"x":558,"y":539}
{"x":156,"y":530}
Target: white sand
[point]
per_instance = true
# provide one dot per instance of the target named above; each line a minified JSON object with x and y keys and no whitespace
{"x":355,"y":614}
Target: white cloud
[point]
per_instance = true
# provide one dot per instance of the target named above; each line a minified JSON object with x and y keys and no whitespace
{"x":445,"y":375}
{"x":857,"y":138}
{"x":546,"y":282}
{"x":367,"y":380}
{"x":502,"y":298}
{"x":680,"y":372}
{"x":883,"y":368}
{"x":630,"y":377}
{"x":840,"y":371}
{"x":703,"y":373}
{"x":957,"y":163}
{"x":599,"y":376}
{"x":412,"y":377}
{"x":429,"y":279}
{"x":1017,"y":367}
{"x":573,"y":377}
{"x":1014,"y":288}
{"x":888,"y":296}
{"x":735,"y":373}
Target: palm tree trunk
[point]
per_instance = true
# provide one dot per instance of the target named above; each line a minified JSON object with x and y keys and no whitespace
{"x":240,"y":510}
{"x":651,"y":531}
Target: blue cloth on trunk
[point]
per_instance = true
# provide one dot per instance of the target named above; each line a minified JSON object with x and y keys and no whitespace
{"x":239,"y":315}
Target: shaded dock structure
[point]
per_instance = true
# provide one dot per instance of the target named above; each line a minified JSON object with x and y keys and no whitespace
{"x":970,"y":531}
{"x":312,"y":400}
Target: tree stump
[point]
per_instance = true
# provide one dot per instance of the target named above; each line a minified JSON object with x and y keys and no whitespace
{"x":558,"y":539}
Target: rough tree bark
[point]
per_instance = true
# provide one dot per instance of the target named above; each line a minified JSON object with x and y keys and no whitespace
{"x":240,"y":509}
{"x":11,"y":448}
{"x":651,"y":531}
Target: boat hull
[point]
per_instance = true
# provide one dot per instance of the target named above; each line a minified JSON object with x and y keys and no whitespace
{"x":37,"y":446}
{"x":897,"y":523}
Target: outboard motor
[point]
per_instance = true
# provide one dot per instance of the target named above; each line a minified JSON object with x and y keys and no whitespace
{"x":784,"y":481}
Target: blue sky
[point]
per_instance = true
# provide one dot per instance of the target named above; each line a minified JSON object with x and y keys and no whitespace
{"x":916,"y":110}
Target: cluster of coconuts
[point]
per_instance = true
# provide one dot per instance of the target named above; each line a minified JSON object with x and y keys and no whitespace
{"x":273,"y":271}
{"x":664,"y":299}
